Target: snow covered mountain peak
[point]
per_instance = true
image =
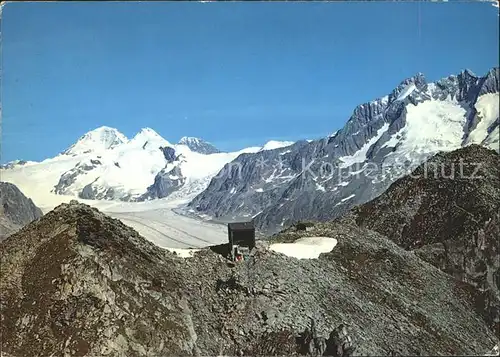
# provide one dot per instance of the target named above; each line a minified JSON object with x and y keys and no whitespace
{"x":189,"y":139}
{"x":105,"y":128}
{"x":147,"y":132}
{"x":147,"y":137}
{"x":408,"y":86}
{"x":198,"y":145}
{"x":418,"y":79}
{"x":274,"y":144}
{"x":468,"y":72}
{"x":97,"y":140}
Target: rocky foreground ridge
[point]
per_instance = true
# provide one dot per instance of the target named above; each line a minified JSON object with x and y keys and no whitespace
{"x":449,"y":217}
{"x":77,"y":282}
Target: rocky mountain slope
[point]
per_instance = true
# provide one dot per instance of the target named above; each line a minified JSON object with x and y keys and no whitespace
{"x":198,"y":145}
{"x":77,"y":282}
{"x":447,"y":212}
{"x":16,"y":210}
{"x":382,"y":141}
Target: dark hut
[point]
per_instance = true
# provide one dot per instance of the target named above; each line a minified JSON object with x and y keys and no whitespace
{"x":241,"y":235}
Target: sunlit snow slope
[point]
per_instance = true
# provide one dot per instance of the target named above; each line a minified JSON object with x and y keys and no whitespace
{"x":107,"y":170}
{"x":104,"y":164}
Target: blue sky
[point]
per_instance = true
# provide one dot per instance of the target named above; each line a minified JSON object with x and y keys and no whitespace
{"x":236,"y":74}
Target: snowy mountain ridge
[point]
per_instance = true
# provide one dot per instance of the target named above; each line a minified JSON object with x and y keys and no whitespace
{"x":106,"y":165}
{"x":382,"y":140}
{"x":280,"y":182}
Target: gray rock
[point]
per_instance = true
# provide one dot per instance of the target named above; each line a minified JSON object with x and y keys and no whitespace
{"x":63,"y":187}
{"x":166,"y":182}
{"x":57,"y":273}
{"x":16,"y":210}
{"x":449,"y":217}
{"x":168,"y":153}
{"x":94,"y":192}
{"x":198,"y":145}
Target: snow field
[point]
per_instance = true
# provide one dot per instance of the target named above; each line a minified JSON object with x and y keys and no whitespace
{"x":305,"y":248}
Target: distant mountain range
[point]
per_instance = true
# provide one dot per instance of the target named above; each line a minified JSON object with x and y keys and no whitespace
{"x":280,"y":182}
{"x":106,"y":165}
{"x":383,"y":140}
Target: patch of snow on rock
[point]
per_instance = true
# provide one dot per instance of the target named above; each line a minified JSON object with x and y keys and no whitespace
{"x":273,"y":144}
{"x":347,"y":198}
{"x":487,"y":107}
{"x":431,"y":126}
{"x":320,"y":188}
{"x":494,"y":352}
{"x":393,"y":140}
{"x":305,"y":248}
{"x":406,"y":91}
{"x":360,"y":155}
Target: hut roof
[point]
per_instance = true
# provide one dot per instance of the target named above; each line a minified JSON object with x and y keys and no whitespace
{"x":241,"y":226}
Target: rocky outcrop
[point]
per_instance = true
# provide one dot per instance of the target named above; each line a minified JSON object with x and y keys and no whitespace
{"x":382,"y":141}
{"x":16,"y":210}
{"x":337,"y":344}
{"x":77,"y":282}
{"x":169,"y":154}
{"x":92,"y":191}
{"x":198,"y":145}
{"x":494,"y":351}
{"x":64,"y":186}
{"x":447,"y":213}
{"x":167,"y":181}
{"x":98,"y":294}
